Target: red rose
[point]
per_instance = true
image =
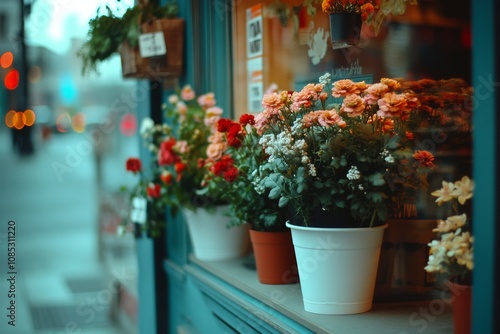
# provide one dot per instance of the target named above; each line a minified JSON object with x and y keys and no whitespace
{"x":179,"y":167}
{"x":166,"y":177}
{"x":153,"y":190}
{"x":166,"y":156}
{"x":247,"y":119}
{"x":234,"y":140}
{"x":133,"y":165}
{"x":222,"y":165}
{"x":231,"y":174}
{"x":234,"y":129}
{"x":223,"y":124}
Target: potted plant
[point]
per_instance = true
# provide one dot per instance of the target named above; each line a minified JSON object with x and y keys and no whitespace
{"x":132,"y":35}
{"x":452,"y":254}
{"x":346,"y":17}
{"x":343,"y":167}
{"x":233,"y":156}
{"x":181,"y":149}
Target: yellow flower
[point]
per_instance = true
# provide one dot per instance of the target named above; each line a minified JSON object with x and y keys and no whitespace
{"x":463,"y":189}
{"x":445,"y":193}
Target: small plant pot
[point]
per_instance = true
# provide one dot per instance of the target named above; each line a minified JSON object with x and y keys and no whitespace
{"x":345,"y":28}
{"x":274,"y":257}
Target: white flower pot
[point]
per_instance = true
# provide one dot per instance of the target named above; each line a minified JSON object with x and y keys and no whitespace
{"x":211,"y":237}
{"x":337,"y":267}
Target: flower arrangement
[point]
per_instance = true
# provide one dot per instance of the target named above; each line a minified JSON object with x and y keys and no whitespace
{"x":364,"y":7}
{"x":341,"y":148}
{"x":233,"y":156}
{"x":179,"y":149}
{"x":452,"y":254}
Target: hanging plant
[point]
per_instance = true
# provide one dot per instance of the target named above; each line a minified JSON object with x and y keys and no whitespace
{"x":108,"y":32}
{"x":353,"y":13}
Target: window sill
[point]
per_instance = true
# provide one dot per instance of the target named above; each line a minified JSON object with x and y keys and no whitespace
{"x":396,"y":317}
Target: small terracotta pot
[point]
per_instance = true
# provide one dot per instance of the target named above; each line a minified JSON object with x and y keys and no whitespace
{"x":274,"y":257}
{"x":461,"y":305}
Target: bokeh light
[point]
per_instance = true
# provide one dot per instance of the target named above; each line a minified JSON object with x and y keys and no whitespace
{"x":11,"y":80}
{"x":9,"y":118}
{"x":128,"y":124}
{"x":30,"y":117}
{"x":7,"y":59}
{"x":78,"y":122}
{"x":19,"y":120}
{"x":63,"y":122}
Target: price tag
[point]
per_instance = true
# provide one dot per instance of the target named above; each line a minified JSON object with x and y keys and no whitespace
{"x":152,"y":44}
{"x":139,"y":209}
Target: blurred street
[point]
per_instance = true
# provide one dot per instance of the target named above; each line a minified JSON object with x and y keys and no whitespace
{"x":59,"y":277}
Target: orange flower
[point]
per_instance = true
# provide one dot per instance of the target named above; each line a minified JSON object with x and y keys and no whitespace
{"x":353,"y":105}
{"x":424,"y":157}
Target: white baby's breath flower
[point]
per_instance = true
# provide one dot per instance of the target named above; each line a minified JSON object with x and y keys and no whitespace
{"x":353,"y":173}
{"x":312,"y":170}
{"x":325,"y":79}
{"x":146,"y":125}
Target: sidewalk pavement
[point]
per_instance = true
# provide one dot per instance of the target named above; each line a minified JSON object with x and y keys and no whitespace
{"x":52,"y":280}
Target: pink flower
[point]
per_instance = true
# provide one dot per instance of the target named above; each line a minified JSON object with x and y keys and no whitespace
{"x":206,"y":100}
{"x":330,"y":117}
{"x":216,"y":150}
{"x":374,"y":92}
{"x":187,"y":93}
{"x":212,"y":116}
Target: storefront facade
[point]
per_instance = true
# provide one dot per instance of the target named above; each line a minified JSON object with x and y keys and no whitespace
{"x":238,"y":50}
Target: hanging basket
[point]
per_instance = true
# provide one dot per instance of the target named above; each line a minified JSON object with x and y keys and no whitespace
{"x":345,"y":28}
{"x":162,"y":51}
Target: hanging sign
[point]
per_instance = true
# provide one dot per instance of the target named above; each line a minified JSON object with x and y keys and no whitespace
{"x":152,"y":44}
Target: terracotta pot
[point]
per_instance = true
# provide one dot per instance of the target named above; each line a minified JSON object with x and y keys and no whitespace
{"x":461,"y":303}
{"x":274,"y":257}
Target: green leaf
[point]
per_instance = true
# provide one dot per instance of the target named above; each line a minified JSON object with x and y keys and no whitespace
{"x":377,"y":179}
{"x":275,"y":193}
{"x":283,"y":202}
